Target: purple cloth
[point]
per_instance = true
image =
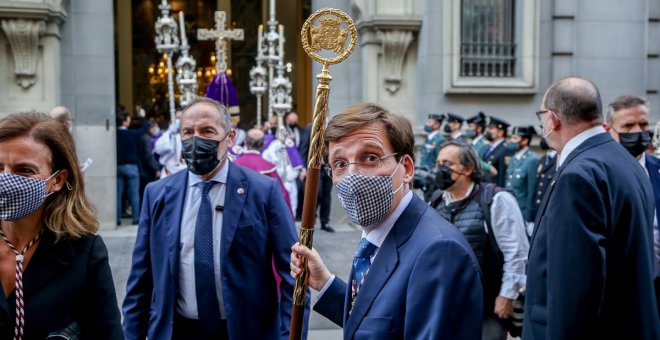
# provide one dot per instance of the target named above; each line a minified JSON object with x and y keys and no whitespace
{"x":267,"y":140}
{"x":222,"y":89}
{"x":294,"y":155}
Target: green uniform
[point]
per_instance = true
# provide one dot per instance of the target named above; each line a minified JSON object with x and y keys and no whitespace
{"x":521,"y":181}
{"x":431,"y":148}
{"x":481,"y":146}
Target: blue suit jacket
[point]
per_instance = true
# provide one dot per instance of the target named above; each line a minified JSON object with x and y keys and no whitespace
{"x":653,"y":167}
{"x":590,"y":269}
{"x":257,"y":228}
{"x":423,"y":284}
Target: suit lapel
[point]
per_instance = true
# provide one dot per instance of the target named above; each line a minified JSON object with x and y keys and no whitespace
{"x":236,"y":191}
{"x":175,"y":195}
{"x":383,"y":266}
{"x":586,"y":145}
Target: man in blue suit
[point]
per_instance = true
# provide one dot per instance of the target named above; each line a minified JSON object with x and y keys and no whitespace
{"x":414,"y":276}
{"x":206,"y":243}
{"x":628,"y":122}
{"x":590,"y":270}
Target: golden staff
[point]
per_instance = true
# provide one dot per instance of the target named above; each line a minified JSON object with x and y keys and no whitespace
{"x":328,"y":35}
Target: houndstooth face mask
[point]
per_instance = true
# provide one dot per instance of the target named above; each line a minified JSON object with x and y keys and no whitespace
{"x":20,"y":196}
{"x":366,"y":199}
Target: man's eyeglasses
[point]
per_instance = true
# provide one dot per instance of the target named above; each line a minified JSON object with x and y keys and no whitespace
{"x":365,"y":165}
{"x":539,"y":113}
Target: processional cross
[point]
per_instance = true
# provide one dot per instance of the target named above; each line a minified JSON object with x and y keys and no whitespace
{"x":220,"y":34}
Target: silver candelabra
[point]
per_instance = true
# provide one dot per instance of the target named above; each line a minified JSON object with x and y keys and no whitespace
{"x":167,"y":42}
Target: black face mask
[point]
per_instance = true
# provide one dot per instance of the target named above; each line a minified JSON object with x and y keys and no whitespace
{"x":635,"y":142}
{"x":447,"y":128}
{"x":272,"y":130}
{"x":201,"y":154}
{"x":489,"y":137}
{"x":544,"y":144}
{"x":293,"y":126}
{"x":443,"y":177}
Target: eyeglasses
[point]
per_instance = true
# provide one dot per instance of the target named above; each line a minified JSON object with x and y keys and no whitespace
{"x":365,"y":165}
{"x":539,"y":113}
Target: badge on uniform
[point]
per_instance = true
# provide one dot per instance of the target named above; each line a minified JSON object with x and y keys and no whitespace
{"x":507,"y":159}
{"x":538,"y":170}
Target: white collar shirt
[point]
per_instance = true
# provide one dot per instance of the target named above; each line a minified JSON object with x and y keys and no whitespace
{"x":577,"y":141}
{"x":187,"y":299}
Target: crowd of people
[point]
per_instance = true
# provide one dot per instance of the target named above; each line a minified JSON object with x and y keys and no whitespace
{"x":502,"y":242}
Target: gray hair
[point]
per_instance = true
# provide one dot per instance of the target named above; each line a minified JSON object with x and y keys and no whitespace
{"x":622,"y":103}
{"x":225,"y":117}
{"x":468,"y":157}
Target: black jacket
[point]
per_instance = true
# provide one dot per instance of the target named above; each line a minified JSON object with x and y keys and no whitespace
{"x":65,"y":282}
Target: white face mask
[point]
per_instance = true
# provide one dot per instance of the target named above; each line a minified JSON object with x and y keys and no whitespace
{"x":546,"y":134}
{"x":367,"y":199}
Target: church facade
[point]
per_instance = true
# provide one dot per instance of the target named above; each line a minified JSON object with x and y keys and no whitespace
{"x":416,"y":57}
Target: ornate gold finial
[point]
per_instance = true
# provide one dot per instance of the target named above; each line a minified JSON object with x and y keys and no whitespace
{"x":328,"y":35}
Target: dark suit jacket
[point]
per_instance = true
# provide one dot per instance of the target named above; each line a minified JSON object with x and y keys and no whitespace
{"x":590,"y":269}
{"x":146,"y":161}
{"x":65,"y":282}
{"x":423,"y":284}
{"x":303,"y":147}
{"x":545,"y":172}
{"x":496,"y":159}
{"x":257,"y":229}
{"x":653,"y":167}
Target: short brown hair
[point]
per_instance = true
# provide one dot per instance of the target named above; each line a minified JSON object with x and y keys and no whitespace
{"x":67,"y":213}
{"x":400,"y":132}
{"x":624,"y":102}
{"x":576,"y":100}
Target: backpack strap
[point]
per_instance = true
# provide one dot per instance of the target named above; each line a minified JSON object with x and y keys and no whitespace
{"x":436,"y":198}
{"x":486,"y":193}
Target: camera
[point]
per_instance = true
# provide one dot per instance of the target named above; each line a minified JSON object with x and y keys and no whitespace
{"x":423,"y":177}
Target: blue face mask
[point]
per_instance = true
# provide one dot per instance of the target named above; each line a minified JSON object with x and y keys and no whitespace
{"x":513,"y":146}
{"x":470,"y":133}
{"x":428,"y":128}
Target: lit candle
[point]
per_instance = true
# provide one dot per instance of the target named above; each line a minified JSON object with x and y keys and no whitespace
{"x":260,"y":37}
{"x":281,"y":54}
{"x":182,"y":28}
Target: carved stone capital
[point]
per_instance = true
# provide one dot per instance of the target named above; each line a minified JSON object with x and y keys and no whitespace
{"x":395,"y":45}
{"x":23,"y":36}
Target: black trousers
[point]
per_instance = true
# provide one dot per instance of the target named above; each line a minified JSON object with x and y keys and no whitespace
{"x":190,"y":329}
{"x":323,"y":200}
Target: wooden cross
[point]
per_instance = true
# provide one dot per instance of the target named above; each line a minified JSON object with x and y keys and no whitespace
{"x":220,"y":35}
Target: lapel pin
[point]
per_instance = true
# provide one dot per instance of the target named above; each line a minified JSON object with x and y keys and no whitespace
{"x":240,"y":191}
{"x":552,"y":183}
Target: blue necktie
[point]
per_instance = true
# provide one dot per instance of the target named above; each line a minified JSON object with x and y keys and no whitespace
{"x":361,"y":264}
{"x":208,"y":307}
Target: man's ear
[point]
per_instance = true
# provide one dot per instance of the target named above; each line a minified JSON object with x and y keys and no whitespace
{"x":409,"y":168}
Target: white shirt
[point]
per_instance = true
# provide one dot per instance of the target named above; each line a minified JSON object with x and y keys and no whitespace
{"x":186,"y":303}
{"x":510,"y":235}
{"x":456,"y":135}
{"x":577,"y":141}
{"x":477,"y":139}
{"x":378,"y":234}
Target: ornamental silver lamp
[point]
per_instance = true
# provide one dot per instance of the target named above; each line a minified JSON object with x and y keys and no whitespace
{"x":167,"y":42}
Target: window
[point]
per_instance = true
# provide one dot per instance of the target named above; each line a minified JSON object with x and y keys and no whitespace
{"x":491,"y":46}
{"x":488,"y":48}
